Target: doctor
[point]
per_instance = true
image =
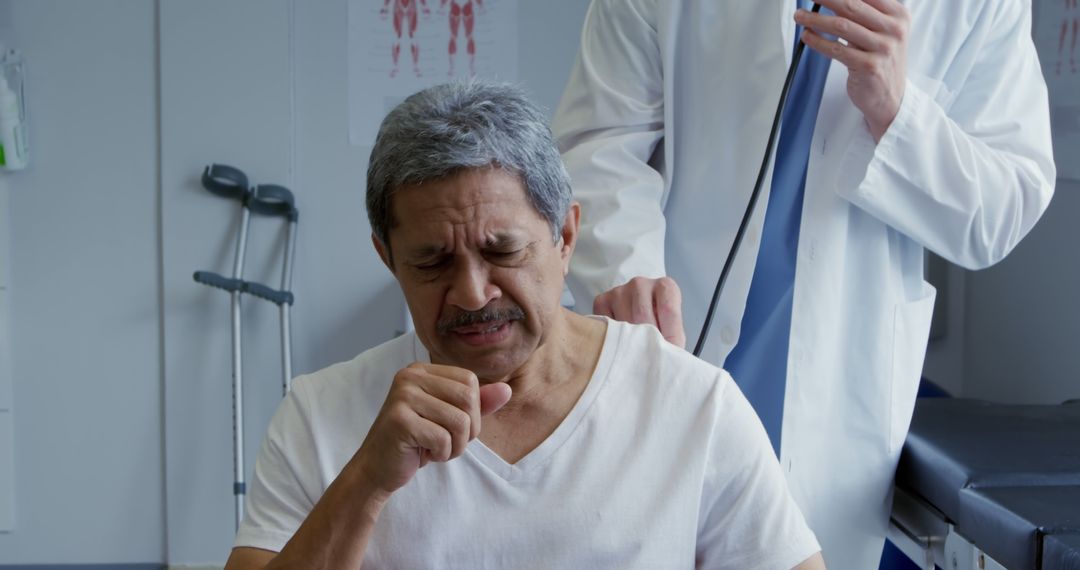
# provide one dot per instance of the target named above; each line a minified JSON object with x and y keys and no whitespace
{"x":926,"y":127}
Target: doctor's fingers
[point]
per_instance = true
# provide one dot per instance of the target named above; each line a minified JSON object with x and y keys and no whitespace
{"x":667,"y":302}
{"x":856,"y":60}
{"x":891,"y":7}
{"x":631,"y":302}
{"x":855,"y":34}
{"x":602,"y":305}
{"x":885,"y":16}
{"x":635,"y":303}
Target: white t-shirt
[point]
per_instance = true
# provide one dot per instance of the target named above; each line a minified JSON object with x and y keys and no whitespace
{"x":660,"y":464}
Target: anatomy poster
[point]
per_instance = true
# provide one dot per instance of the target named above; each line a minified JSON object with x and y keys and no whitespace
{"x":1057,"y":35}
{"x":397,"y":47}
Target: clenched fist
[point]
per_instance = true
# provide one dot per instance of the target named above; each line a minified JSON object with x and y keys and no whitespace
{"x":431,"y":413}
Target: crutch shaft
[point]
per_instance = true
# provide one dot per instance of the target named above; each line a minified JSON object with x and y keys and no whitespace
{"x":286,"y":348}
{"x":238,"y":372}
{"x":286,"y":308}
{"x":238,"y":409}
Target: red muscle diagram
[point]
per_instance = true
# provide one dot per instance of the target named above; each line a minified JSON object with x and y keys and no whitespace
{"x":1070,"y":22}
{"x":462,"y":14}
{"x":406,"y":18}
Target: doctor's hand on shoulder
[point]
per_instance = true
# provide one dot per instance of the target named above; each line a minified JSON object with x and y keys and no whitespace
{"x":656,"y":302}
{"x":875,"y":34}
{"x":430,"y":414}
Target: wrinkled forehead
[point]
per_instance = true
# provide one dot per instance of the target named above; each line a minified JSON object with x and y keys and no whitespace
{"x":481,"y":203}
{"x":465,"y":195}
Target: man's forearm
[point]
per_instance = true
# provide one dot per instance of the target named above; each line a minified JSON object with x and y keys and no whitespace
{"x":337,"y":531}
{"x":815,"y":562}
{"x":403,"y":438}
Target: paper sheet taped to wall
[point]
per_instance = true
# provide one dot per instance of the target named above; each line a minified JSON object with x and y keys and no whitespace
{"x":398,"y":47}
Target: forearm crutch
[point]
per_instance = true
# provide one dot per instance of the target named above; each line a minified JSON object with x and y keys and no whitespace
{"x":267,"y":200}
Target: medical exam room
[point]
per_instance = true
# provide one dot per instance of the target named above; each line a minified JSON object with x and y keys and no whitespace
{"x":538,"y":284}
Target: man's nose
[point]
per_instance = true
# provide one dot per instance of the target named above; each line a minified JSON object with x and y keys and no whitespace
{"x":471,"y":288}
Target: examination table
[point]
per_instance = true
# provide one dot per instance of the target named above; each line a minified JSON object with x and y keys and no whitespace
{"x":982,"y":485}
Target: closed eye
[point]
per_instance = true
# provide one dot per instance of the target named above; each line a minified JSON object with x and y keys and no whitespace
{"x":433,"y":265}
{"x":505,"y":257}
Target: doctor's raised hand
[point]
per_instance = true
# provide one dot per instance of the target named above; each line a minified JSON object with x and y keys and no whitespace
{"x":656,"y":302}
{"x":875,"y":33}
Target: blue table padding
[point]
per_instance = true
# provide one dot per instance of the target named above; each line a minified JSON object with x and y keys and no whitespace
{"x":956,"y":444}
{"x":1009,"y":523}
{"x":1061,"y":552}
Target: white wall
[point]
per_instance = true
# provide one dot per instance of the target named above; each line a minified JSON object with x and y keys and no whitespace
{"x":7,"y":421}
{"x":224,"y":98}
{"x":7,"y":426}
{"x":944,"y":363}
{"x":1023,"y":317}
{"x":85,"y":306}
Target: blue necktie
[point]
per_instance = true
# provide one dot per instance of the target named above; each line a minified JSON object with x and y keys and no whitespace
{"x":759,"y":361}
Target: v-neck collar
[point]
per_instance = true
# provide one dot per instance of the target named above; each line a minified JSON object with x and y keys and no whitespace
{"x":541,"y":453}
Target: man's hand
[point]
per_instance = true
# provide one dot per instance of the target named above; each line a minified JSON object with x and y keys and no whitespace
{"x":431,"y":413}
{"x":876,"y":32}
{"x":656,"y":302}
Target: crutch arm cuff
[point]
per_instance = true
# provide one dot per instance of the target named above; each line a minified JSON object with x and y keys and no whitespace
{"x":226,"y":181}
{"x":273,"y":200}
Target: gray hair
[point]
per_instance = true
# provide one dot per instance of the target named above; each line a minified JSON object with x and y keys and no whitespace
{"x":473,"y":124}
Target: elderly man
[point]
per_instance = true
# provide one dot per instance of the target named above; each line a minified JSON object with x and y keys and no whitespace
{"x":508,"y":432}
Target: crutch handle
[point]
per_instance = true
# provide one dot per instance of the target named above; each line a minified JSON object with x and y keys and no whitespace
{"x":273,"y":200}
{"x":233,"y":285}
{"x":225,"y":181}
{"x":273,"y":295}
{"x":219,"y":281}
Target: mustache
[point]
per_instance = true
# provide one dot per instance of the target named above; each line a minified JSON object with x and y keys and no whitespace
{"x":485,"y":315}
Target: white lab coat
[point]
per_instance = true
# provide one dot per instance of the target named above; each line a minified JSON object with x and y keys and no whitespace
{"x":663,"y":125}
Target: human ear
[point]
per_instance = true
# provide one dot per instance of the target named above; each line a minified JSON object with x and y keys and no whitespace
{"x":568,"y":234}
{"x":384,"y":252}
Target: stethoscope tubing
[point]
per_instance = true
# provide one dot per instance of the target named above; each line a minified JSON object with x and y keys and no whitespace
{"x":766,"y":159}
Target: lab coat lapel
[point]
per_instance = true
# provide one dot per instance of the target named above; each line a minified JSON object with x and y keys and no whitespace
{"x":787,"y":28}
